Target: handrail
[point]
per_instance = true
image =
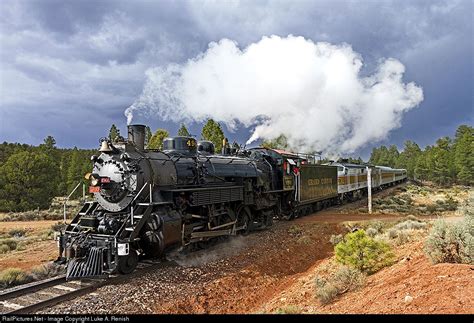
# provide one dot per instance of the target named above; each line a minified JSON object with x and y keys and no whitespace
{"x":131,"y":204}
{"x":67,"y":199}
{"x":139,"y":192}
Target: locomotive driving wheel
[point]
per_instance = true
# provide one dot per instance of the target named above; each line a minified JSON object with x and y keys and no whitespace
{"x":244,"y":220}
{"x":127,"y":264}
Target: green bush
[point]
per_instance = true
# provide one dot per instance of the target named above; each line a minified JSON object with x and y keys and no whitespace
{"x":342,"y":281}
{"x":360,"y":251}
{"x":13,"y":276}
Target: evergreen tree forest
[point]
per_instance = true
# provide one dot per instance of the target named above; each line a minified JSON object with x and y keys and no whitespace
{"x":448,"y":161}
{"x":31,"y":176}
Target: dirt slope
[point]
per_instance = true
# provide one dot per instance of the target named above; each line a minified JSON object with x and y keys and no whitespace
{"x":441,"y":288}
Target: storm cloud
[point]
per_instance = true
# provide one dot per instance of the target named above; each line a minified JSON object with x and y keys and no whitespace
{"x":70,"y":68}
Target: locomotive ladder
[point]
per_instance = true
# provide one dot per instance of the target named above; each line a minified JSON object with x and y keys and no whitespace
{"x":139,"y":214}
{"x":87,"y":210}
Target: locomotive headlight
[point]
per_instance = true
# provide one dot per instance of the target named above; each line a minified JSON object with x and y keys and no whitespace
{"x":95,"y":179}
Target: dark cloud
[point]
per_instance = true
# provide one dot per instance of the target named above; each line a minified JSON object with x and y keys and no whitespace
{"x":70,"y":68}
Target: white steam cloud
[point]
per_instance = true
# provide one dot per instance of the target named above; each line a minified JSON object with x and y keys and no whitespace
{"x":312,"y":93}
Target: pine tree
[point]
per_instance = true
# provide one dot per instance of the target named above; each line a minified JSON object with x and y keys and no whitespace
{"x":114,"y":133}
{"x":442,"y":162}
{"x":421,"y":171}
{"x":212,"y":131}
{"x":464,"y":154}
{"x":49,"y":143}
{"x":392,"y":155}
{"x":280,"y":142}
{"x":375,"y":156}
{"x":156,"y":141}
{"x":27,"y":181}
{"x":408,"y":157}
{"x":183,"y":131}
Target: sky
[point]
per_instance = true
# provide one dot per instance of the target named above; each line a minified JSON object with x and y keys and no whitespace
{"x":70,"y":68}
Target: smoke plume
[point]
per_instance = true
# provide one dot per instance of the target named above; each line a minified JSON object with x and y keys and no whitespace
{"x":312,"y":93}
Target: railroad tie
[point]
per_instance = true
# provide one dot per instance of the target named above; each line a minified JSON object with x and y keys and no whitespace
{"x":69,"y":289}
{"x":11,"y":305}
{"x":41,"y":292}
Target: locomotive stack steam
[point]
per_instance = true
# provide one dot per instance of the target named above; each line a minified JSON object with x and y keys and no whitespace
{"x":149,"y":201}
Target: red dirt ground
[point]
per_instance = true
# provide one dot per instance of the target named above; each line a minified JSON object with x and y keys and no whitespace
{"x":441,"y":288}
{"x":36,"y":253}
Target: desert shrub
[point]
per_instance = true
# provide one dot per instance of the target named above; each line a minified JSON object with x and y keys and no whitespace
{"x":451,"y":204}
{"x":21,"y":246}
{"x":410,"y":225}
{"x":4,"y":248}
{"x":47,"y":270}
{"x":17,"y":233}
{"x":343,"y":280}
{"x":452,"y":243}
{"x":335,"y":239}
{"x":364,"y":253}
{"x":371,"y":232}
{"x":13,"y":276}
{"x":290,"y":309}
{"x":47,"y":235}
{"x":403,"y":237}
{"x":295,"y":230}
{"x":304,"y":240}
{"x":431,"y":208}
{"x":376,"y":225}
{"x":58,"y":226}
{"x":7,"y":245}
{"x":412,"y":218}
{"x":392,"y":233}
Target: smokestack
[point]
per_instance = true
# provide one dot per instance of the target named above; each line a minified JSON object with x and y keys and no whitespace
{"x":136,"y":135}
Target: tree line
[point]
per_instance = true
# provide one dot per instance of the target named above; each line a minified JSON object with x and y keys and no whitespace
{"x":30,"y":176}
{"x":448,"y":161}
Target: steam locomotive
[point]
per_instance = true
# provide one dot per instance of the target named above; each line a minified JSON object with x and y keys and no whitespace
{"x":148,"y":201}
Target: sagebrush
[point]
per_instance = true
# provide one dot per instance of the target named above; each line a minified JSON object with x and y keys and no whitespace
{"x":343,"y":280}
{"x":452,"y":242}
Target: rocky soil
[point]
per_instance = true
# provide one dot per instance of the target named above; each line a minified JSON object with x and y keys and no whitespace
{"x":272,"y":271}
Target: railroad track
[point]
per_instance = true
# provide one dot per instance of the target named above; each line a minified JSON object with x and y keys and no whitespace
{"x":32,"y":297}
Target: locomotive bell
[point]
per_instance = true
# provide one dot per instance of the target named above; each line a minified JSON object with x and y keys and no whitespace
{"x":104,"y":147}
